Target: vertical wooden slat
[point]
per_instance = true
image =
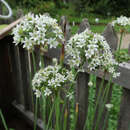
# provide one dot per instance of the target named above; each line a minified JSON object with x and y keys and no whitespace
{"x":100,"y":108}
{"x":66,"y":28}
{"x":16,"y":69}
{"x":7,"y":89}
{"x":26,"y":78}
{"x":37,"y":58}
{"x":111,"y":37}
{"x":124,"y":117}
{"x":129,"y":49}
{"x":82,"y":92}
{"x":83,"y":25}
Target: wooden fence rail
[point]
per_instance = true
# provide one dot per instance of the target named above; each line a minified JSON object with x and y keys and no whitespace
{"x":21,"y":65}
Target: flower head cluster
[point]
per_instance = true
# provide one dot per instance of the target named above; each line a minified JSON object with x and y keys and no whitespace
{"x":90,"y":83}
{"x":49,"y":80}
{"x":41,"y":30}
{"x":121,"y":21}
{"x":109,"y":106}
{"x":91,"y":48}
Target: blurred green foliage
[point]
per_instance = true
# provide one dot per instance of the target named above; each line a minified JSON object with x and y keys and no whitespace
{"x":103,"y":7}
{"x":122,"y":55}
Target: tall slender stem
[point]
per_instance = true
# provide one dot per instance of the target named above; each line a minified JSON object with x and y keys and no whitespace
{"x":62,"y":54}
{"x":30,"y":78}
{"x":121,"y":37}
{"x":3,"y":120}
{"x":63,"y":45}
{"x":35,"y":118}
{"x":36,"y":101}
{"x":42,"y":61}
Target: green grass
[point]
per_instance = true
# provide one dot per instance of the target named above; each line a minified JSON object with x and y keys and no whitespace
{"x":74,"y":29}
{"x":98,"y":28}
{"x":127,"y":29}
{"x":94,"y":28}
{"x":122,"y":55}
{"x":3,"y":26}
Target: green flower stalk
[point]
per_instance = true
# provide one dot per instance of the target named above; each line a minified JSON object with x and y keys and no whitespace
{"x":121,"y":38}
{"x":3,"y":120}
{"x":65,"y":119}
{"x":76,"y":115}
{"x":62,"y":55}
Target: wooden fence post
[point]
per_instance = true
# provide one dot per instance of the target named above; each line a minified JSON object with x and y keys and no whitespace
{"x":65,"y":27}
{"x":111,"y":37}
{"x":124,"y":117}
{"x":83,"y":25}
{"x":82,"y":93}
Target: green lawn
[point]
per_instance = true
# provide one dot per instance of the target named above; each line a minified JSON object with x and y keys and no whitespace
{"x":2,"y":26}
{"x":98,"y":28}
{"x":94,"y":28}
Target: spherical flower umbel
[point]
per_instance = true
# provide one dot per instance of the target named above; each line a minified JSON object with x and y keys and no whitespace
{"x":91,"y":48}
{"x":49,"y":80}
{"x":121,"y":21}
{"x":40,"y":30}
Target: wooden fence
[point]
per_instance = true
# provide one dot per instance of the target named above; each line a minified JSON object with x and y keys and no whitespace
{"x":16,"y":65}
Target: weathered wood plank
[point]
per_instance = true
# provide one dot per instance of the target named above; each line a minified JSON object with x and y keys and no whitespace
{"x":7,"y":89}
{"x":129,"y":49}
{"x":65,"y":27}
{"x":17,"y":77}
{"x":82,"y":92}
{"x":111,"y":37}
{"x":27,"y":90}
{"x":6,"y":30}
{"x":37,"y":58}
{"x":84,"y":24}
{"x":124,"y":117}
{"x":28,"y":116}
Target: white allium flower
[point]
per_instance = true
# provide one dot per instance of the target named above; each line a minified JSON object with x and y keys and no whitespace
{"x":108,"y":106}
{"x":122,"y":21}
{"x":97,"y":20}
{"x":51,"y":79}
{"x":54,"y":60}
{"x":40,"y":64}
{"x":47,"y":92}
{"x":108,"y":13}
{"x":115,"y":75}
{"x":90,"y":83}
{"x":91,"y":48}
{"x":70,"y":95}
{"x":37,"y":93}
{"x":37,"y":30}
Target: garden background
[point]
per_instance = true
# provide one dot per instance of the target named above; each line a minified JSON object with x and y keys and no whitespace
{"x":98,"y":12}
